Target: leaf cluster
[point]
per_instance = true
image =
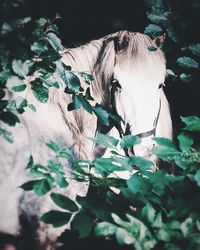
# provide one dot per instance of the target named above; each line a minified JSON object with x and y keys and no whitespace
{"x":129,"y":202}
{"x":170,"y":25}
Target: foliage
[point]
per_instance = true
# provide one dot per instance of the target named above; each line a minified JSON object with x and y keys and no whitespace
{"x":174,"y":22}
{"x":148,"y":210}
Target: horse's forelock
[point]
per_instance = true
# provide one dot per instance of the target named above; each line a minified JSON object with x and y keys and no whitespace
{"x":135,"y":47}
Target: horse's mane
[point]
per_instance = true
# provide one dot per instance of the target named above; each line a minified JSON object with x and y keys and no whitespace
{"x":99,"y":57}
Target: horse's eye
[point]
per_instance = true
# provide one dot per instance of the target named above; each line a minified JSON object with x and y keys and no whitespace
{"x":160,"y":86}
{"x":116,"y":85}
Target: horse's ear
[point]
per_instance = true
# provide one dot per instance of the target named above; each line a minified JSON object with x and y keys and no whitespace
{"x":122,"y":40}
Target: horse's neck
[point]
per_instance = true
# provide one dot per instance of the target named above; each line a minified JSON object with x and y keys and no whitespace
{"x":53,"y":121}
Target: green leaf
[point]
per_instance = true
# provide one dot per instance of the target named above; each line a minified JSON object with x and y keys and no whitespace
{"x":65,"y":153}
{"x":76,"y":101}
{"x":19,"y":88}
{"x":122,"y":161}
{"x":9,"y":118}
{"x":197,"y":177}
{"x":51,"y":180}
{"x":21,"y":104}
{"x":53,"y":146}
{"x":20,"y":68}
{"x":192,"y":123}
{"x":158,"y":16}
{"x":3,"y":104}
{"x":153,"y":30}
{"x":186,"y":226}
{"x":39,"y":47}
{"x":105,"y":165}
{"x":41,"y":187}
{"x":70,"y":107}
{"x":11,"y":104}
{"x":87,"y":77}
{"x":105,"y":141}
{"x":105,"y":229}
{"x":72,"y":81}
{"x":56,"y":218}
{"x":138,"y":184}
{"x":86,"y":105}
{"x":64,"y":202}
{"x":174,"y":225}
{"x":4,"y":76}
{"x":67,"y":67}
{"x":28,"y":186}
{"x":170,"y":72}
{"x":115,"y":118}
{"x":148,"y":212}
{"x":187,"y":62}
{"x":32,"y":107}
{"x":128,"y":141}
{"x":83,"y":224}
{"x":119,"y":221}
{"x":6,"y":135}
{"x":30,"y":162}
{"x":54,"y":167}
{"x":172,"y":246}
{"x":40,"y":92}
{"x":140,"y":162}
{"x":15,"y":84}
{"x":41,"y":22}
{"x":185,"y":141}
{"x":152,"y":48}
{"x":101,"y":114}
{"x":88,"y":95}
{"x":172,"y":34}
{"x":157,"y":223}
{"x":6,"y":28}
{"x":48,"y":80}
{"x":124,"y":237}
{"x":185,"y":78}
{"x":54,"y":41}
{"x":181,"y":162}
{"x":163,"y":235}
{"x":62,"y":182}
{"x":195,"y":49}
{"x":165,"y":149}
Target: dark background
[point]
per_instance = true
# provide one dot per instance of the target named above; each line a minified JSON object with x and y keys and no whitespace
{"x":84,"y":20}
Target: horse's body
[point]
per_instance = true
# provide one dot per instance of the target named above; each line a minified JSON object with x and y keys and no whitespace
{"x":123,"y":56}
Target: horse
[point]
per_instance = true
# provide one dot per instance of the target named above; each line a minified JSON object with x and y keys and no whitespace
{"x":128,"y":79}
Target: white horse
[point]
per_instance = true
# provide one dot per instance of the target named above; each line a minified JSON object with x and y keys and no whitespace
{"x":128,"y":80}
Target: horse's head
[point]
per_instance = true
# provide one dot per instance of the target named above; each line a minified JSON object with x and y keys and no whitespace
{"x":136,"y":88}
